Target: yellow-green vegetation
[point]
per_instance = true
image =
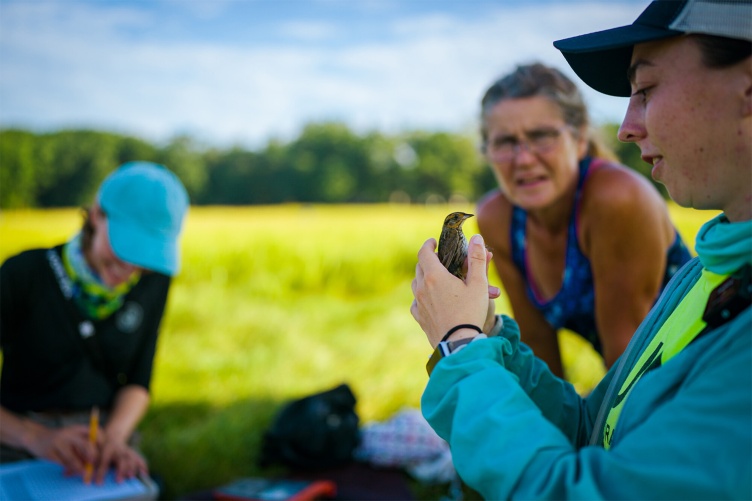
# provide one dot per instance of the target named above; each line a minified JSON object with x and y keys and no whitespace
{"x":277,"y":302}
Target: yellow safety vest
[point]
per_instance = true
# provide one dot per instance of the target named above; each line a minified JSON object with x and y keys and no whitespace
{"x":679,"y":329}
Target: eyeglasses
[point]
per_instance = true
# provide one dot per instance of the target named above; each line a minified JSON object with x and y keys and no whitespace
{"x":505,"y":148}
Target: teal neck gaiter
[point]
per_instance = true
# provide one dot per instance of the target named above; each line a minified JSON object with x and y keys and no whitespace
{"x":722,"y":246}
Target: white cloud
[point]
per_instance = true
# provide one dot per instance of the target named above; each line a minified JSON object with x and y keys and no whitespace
{"x":87,"y":64}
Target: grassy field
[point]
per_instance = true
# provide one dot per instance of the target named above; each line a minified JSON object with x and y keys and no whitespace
{"x":278,"y":302}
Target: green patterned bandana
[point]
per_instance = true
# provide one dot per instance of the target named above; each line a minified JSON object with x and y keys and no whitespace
{"x":95,"y":300}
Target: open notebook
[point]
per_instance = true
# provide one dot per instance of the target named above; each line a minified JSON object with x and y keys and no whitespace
{"x":44,"y":480}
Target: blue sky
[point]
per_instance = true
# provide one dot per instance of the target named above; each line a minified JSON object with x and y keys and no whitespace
{"x":245,"y":71}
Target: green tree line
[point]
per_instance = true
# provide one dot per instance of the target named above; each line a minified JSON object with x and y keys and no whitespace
{"x":326,"y":163}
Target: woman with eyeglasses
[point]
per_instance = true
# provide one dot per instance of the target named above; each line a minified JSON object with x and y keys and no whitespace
{"x":579,"y":241}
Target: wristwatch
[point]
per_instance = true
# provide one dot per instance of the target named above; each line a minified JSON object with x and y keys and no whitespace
{"x":444,"y":349}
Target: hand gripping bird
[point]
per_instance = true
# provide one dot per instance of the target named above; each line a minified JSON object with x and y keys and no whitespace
{"x":453,"y":244}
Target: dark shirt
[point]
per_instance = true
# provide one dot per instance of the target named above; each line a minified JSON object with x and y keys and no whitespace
{"x":46,"y":362}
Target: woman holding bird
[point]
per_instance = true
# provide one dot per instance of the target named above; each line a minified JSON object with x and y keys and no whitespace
{"x":579,"y":241}
{"x":670,"y":420}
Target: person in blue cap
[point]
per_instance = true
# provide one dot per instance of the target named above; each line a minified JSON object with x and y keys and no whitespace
{"x":79,"y":326}
{"x":672,"y":419}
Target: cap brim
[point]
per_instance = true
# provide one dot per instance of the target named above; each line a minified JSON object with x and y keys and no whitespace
{"x":602,"y":59}
{"x":152,"y":251}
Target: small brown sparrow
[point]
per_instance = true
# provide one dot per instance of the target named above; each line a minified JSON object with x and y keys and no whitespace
{"x":453,"y":244}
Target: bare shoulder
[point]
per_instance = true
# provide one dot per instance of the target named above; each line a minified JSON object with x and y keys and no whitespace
{"x":614,"y":188}
{"x":618,"y":200}
{"x":494,"y":212}
{"x":490,"y":203}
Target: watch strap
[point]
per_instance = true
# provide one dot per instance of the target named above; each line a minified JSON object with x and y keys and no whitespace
{"x":444,"y":349}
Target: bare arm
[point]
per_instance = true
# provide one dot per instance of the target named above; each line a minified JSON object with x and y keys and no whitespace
{"x":130,"y":406}
{"x":494,"y":215}
{"x":535,"y":331}
{"x":68,"y":446}
{"x":626,"y":234}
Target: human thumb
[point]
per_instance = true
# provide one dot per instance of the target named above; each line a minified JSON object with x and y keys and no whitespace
{"x":476,"y":259}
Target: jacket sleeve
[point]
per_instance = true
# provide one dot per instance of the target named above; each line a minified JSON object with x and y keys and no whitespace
{"x":498,"y":410}
{"x":556,"y":398}
{"x":490,"y":401}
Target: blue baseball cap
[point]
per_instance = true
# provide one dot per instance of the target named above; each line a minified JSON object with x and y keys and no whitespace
{"x":145,"y":204}
{"x":601,"y":59}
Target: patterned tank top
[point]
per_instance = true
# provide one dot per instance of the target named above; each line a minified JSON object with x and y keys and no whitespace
{"x":573,"y":306}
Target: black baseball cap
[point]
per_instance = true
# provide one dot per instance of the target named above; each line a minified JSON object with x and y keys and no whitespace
{"x":601,"y":59}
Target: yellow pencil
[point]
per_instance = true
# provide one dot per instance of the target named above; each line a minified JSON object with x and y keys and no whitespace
{"x":93,"y":427}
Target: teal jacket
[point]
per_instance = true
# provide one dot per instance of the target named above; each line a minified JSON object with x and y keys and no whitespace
{"x":685,"y":432}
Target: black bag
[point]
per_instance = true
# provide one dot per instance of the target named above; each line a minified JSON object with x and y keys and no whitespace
{"x":314,"y":432}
